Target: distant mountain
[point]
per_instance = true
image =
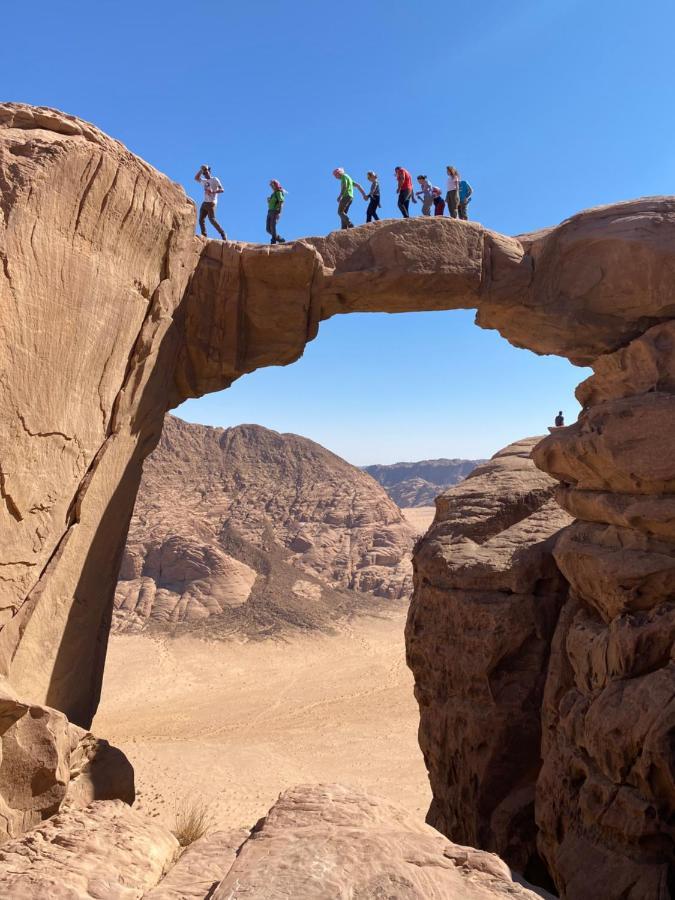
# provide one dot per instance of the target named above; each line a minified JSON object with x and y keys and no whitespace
{"x":244,"y":530}
{"x":419,"y":483}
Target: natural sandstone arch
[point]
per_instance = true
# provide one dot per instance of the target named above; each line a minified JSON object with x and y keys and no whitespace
{"x":113,"y":312}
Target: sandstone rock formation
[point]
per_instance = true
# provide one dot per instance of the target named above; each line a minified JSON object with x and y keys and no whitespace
{"x":102,"y":852}
{"x":333,"y":842}
{"x":201,"y":867}
{"x":487,"y":597}
{"x":113,"y":312}
{"x":45,"y":762}
{"x":258,"y":530}
{"x":606,"y":792}
{"x":96,"y":249}
{"x":198,"y":314}
{"x":419,"y":483}
{"x":323,"y":841}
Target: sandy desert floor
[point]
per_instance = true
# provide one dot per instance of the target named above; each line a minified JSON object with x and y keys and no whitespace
{"x":233,"y":724}
{"x":420,"y":517}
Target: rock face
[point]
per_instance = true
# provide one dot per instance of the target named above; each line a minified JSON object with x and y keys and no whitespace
{"x":247,"y":525}
{"x":113,"y":312}
{"x":606,"y":792}
{"x":419,"y":483}
{"x":486,"y":601}
{"x":96,"y":249}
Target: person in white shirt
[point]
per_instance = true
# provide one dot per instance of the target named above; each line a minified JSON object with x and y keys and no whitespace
{"x":212,"y":187}
{"x":452,"y":195}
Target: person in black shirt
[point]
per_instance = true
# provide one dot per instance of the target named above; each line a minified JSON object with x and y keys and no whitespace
{"x":559,"y":420}
{"x":373,"y":196}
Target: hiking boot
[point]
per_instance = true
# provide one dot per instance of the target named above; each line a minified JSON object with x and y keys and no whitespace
{"x":281,"y":240}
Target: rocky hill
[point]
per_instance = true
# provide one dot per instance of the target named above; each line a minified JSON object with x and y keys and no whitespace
{"x":259,"y":530}
{"x":419,"y":483}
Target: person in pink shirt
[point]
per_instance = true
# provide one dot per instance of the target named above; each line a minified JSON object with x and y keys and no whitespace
{"x":404,"y":189}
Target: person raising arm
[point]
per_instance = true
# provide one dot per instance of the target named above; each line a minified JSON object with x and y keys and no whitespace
{"x":212,"y":187}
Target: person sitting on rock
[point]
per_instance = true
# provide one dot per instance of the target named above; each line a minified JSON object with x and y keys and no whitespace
{"x":425,"y":194}
{"x":439,"y":202}
{"x":465,"y":194}
{"x":212,"y":187}
{"x":559,"y":420}
{"x":345,"y":197}
{"x":373,"y":197}
{"x":275,"y":203}
{"x":405,"y":190}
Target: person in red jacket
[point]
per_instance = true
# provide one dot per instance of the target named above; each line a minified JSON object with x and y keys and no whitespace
{"x":405,"y":190}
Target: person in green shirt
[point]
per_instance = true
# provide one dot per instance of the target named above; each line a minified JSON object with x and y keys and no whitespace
{"x":345,"y":196}
{"x":275,"y":203}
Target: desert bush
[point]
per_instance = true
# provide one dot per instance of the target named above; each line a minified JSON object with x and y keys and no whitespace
{"x":193,"y":820}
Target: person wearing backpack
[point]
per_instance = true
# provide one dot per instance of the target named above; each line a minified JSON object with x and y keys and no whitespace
{"x":452,"y":195}
{"x":275,"y":203}
{"x":465,"y":193}
{"x":405,"y":190}
{"x":345,"y":197}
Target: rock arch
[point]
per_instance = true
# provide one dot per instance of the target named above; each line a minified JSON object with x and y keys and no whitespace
{"x":113,"y":312}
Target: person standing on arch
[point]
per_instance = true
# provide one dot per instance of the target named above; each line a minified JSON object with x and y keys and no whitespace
{"x":405,"y":190}
{"x":439,"y":202}
{"x":452,"y":195}
{"x":212,"y":187}
{"x":373,"y":197}
{"x":345,"y":197}
{"x":275,"y":203}
{"x":425,"y":194}
{"x":465,"y":194}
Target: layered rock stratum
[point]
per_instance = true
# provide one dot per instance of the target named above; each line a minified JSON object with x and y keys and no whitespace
{"x":419,"y":483}
{"x":250,"y":530}
{"x":114,"y":312}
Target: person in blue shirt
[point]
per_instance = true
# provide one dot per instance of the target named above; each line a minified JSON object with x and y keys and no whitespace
{"x":465,"y":192}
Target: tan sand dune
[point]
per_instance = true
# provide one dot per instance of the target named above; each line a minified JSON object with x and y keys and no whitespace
{"x":236,"y":723}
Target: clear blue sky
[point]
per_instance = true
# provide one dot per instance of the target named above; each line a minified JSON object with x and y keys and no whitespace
{"x":546,"y":106}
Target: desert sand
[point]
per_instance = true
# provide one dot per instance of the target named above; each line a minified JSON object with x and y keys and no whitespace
{"x":420,"y":517}
{"x":233,"y":724}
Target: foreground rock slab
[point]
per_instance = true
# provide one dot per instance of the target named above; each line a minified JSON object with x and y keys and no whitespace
{"x":201,"y":868}
{"x":103,"y":852}
{"x":334,"y":843}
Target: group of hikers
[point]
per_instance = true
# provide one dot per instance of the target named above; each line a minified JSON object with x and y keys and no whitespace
{"x":457,"y":198}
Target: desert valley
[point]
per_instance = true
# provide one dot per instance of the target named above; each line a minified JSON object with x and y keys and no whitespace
{"x":299,"y":675}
